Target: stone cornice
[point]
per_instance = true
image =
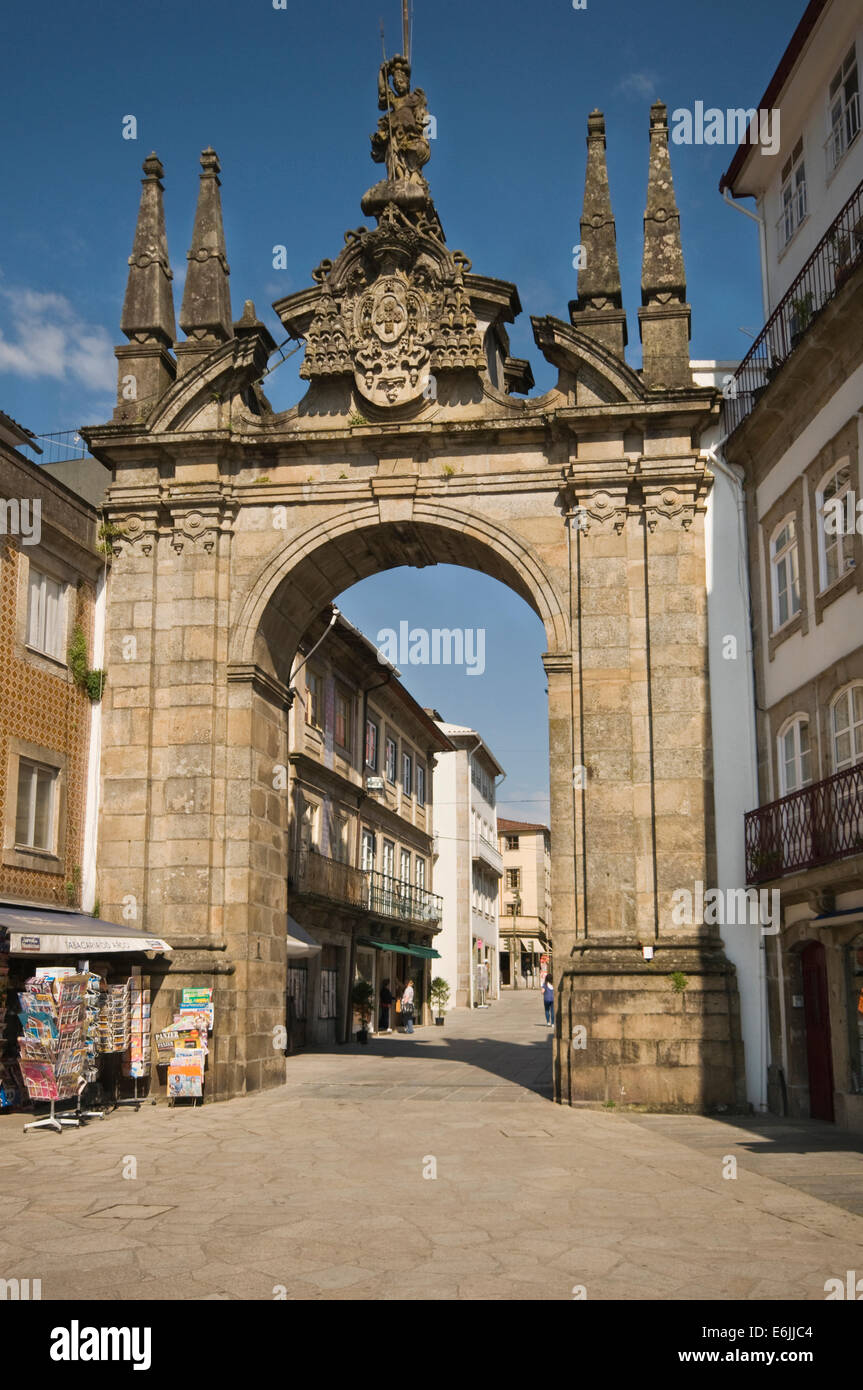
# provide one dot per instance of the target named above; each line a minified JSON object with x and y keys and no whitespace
{"x":270,"y":687}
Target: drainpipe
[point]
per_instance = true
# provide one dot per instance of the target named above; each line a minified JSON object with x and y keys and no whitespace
{"x":762,"y":244}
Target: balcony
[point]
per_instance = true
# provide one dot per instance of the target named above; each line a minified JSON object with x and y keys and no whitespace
{"x":393,"y":897}
{"x":814,"y":826}
{"x":313,"y":875}
{"x":838,"y":253}
{"x":484,"y":852}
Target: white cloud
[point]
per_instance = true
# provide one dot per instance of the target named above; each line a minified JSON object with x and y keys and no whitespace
{"x":43,"y":335}
{"x":638,"y":84}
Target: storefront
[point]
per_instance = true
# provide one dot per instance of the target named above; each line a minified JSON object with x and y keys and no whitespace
{"x":397,"y":962}
{"x":75,"y":1004}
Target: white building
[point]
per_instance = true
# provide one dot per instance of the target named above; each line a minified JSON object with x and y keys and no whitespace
{"x":468,"y":866}
{"x":794,"y":431}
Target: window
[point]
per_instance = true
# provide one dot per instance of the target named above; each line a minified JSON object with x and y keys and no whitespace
{"x":785,"y":574}
{"x":834,"y":501}
{"x":310,"y":825}
{"x":369,"y":850}
{"x":45,"y":625}
{"x":420,"y":872}
{"x":793,"y":756}
{"x":371,"y":745}
{"x":511,"y":841}
{"x":344,"y":720}
{"x":389,"y":865}
{"x":34,"y":816}
{"x":405,"y":866}
{"x":793,"y":194}
{"x":481,"y":780}
{"x":847,"y":720}
{"x":392,"y":755}
{"x":407,"y":773}
{"x":512,"y":909}
{"x":313,"y":700}
{"x":341,"y":839}
{"x":844,"y":102}
{"x":421,"y":785}
{"x":513,"y":878}
{"x":329,"y":979}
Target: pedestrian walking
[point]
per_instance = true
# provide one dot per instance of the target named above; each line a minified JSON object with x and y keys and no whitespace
{"x":408,"y":1006}
{"x":548,"y":1001}
{"x":386,"y":1003}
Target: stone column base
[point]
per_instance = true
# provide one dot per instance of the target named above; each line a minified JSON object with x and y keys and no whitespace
{"x":661,"y":1034}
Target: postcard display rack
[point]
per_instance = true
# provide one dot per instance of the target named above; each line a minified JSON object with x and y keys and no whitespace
{"x":183,"y":1045}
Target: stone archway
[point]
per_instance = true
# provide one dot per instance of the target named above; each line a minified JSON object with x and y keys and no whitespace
{"x":232,"y":524}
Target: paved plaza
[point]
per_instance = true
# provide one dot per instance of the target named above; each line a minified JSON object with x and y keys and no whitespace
{"x":323,"y":1189}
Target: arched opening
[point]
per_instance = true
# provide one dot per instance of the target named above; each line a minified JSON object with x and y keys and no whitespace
{"x":350,"y":870}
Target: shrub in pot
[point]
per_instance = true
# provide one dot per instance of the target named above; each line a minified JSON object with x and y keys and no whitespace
{"x":439,"y":995}
{"x":363,"y":998}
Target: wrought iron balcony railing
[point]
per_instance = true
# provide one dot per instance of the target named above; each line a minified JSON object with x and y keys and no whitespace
{"x":809,"y":827}
{"x":314,"y":875}
{"x":394,"y":897}
{"x":837,"y":254}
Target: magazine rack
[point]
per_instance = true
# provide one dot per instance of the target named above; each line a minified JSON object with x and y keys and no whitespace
{"x":53,"y":1121}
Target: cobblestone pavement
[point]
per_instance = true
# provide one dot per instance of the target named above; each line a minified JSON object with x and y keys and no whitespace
{"x":318,"y":1188}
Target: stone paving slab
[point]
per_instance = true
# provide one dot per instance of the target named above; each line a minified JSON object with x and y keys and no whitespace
{"x":318,"y":1188}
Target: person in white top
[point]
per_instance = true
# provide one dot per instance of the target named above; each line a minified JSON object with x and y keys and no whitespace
{"x":408,"y":1006}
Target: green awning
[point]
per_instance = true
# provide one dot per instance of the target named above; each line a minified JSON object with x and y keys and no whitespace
{"x":424,"y":952}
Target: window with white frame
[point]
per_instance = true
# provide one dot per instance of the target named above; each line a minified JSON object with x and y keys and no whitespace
{"x":844,"y":104}
{"x":368,"y":850}
{"x":794,"y":755}
{"x":313,"y":699}
{"x":785,"y":573}
{"x":420,"y":872}
{"x":372,"y":745}
{"x":407,"y":773}
{"x":389,"y":860}
{"x":421,"y":785}
{"x":46,"y":627}
{"x":846,"y":714}
{"x":405,"y":866}
{"x":34,"y":814}
{"x":834,"y":503}
{"x":793,"y":195}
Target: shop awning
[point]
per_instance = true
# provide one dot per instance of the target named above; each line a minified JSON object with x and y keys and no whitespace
{"x":424,"y":952}
{"x":47,"y":931}
{"x":299,"y":941}
{"x":529,"y":945}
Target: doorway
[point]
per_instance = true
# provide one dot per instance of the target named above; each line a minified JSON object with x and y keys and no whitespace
{"x":818,"y":1048}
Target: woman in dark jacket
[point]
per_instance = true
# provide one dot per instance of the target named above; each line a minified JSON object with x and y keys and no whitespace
{"x":386,"y":1002}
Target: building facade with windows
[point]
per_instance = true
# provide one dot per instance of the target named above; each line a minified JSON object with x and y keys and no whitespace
{"x":525,"y":903}
{"x":361,"y":859}
{"x":469,"y":865}
{"x":794,"y":427}
{"x":51,"y":598}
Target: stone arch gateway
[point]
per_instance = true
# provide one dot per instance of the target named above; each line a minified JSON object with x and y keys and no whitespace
{"x":232,"y":525}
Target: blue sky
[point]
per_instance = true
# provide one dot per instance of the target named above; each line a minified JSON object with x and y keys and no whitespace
{"x":288,"y":99}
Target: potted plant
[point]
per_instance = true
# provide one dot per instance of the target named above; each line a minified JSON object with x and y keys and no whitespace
{"x":439,"y":995}
{"x":363,"y":997}
{"x":801,"y":317}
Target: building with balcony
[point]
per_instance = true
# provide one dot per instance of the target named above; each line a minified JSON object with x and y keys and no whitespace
{"x":794,"y":431}
{"x":525,"y":903}
{"x":361,"y":860}
{"x":469,"y":865}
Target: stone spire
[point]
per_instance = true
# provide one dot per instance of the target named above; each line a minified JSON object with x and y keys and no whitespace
{"x":664,"y":319}
{"x":598,"y":310}
{"x":146,"y":368}
{"x":205,"y":316}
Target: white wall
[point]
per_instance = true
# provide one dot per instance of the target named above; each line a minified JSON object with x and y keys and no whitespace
{"x":445,"y":874}
{"x":735,"y":766}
